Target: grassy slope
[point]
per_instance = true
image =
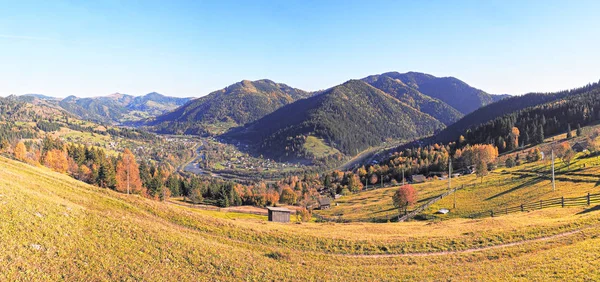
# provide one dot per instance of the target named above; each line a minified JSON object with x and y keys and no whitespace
{"x":55,"y":228}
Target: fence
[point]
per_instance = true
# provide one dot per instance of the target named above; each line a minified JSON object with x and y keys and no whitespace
{"x":426,"y":205}
{"x":550,"y":203}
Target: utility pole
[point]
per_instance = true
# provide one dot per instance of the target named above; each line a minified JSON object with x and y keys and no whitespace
{"x":449,"y":174}
{"x":553,"y":184}
{"x":403,"y":179}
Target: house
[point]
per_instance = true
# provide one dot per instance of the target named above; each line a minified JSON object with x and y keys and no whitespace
{"x":579,"y":147}
{"x":324,"y":203}
{"x":279,"y":214}
{"x":418,"y":178}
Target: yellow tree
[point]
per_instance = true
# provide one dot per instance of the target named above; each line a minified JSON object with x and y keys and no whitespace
{"x":57,"y":160}
{"x":20,"y":151}
{"x":128,"y":174}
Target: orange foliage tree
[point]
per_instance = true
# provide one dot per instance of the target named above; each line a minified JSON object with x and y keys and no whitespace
{"x":56,"y":160}
{"x":128,"y":174}
{"x":405,"y":196}
{"x":20,"y":151}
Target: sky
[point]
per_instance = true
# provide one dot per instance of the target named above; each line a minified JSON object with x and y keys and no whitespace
{"x":191,"y":48}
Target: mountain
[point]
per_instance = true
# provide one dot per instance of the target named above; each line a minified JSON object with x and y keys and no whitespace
{"x":504,"y":107}
{"x":411,"y":96}
{"x":237,"y":104}
{"x":117,"y":108}
{"x":535,"y":115}
{"x":350,"y":118}
{"x":449,"y":90}
{"x":41,"y":97}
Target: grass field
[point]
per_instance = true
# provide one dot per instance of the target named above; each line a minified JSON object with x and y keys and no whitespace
{"x":55,"y":228}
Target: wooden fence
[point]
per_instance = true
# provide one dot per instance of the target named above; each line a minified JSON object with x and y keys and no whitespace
{"x":426,"y":205}
{"x":550,"y":203}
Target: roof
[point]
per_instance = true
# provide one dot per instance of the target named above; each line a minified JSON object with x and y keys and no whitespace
{"x":324,"y":201}
{"x":418,"y":177}
{"x":279,"y":209}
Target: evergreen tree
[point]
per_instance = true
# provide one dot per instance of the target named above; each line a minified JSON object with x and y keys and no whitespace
{"x":579,"y":132}
{"x":569,"y":134}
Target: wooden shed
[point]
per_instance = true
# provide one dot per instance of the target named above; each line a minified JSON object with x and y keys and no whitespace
{"x":419,"y":178}
{"x":279,"y":214}
{"x":324,"y":203}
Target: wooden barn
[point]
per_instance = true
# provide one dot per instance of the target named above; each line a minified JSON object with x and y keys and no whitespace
{"x":279,"y":214}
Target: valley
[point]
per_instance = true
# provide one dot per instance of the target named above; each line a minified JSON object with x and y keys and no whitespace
{"x":190,"y":204}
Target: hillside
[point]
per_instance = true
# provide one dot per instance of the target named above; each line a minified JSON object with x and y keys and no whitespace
{"x":118,"y":108}
{"x":449,"y":90}
{"x":237,"y":104}
{"x":56,"y":228}
{"x":349,"y":117}
{"x":410,"y":96}
{"x":516,"y":105}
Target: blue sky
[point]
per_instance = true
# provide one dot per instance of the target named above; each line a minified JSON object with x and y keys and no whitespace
{"x":190,"y":48}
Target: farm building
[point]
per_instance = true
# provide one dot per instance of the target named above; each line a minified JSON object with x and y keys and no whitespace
{"x":579,"y":147}
{"x":418,"y":178}
{"x":279,"y":214}
{"x":324,"y":203}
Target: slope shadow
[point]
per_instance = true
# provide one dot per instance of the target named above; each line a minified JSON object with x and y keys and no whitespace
{"x":592,"y":209}
{"x":528,"y":183}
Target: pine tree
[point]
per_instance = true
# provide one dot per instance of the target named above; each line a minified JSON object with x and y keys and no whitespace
{"x":569,"y":134}
{"x":579,"y":132}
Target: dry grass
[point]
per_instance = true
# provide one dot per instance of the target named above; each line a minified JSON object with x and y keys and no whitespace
{"x":55,"y":228}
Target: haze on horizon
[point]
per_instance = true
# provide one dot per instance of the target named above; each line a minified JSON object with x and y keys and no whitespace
{"x":191,"y":48}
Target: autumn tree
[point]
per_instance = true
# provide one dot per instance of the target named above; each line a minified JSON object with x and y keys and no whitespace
{"x":56,"y":160}
{"x":20,"y":151}
{"x":128,"y":174}
{"x":513,"y":138}
{"x":404,"y":197}
{"x":288,"y":196}
{"x":373,"y":179}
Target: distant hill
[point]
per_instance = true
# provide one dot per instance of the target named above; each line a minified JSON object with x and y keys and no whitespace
{"x":237,"y":104}
{"x":349,"y":117}
{"x":411,"y":96}
{"x":118,"y":108}
{"x":449,"y":90}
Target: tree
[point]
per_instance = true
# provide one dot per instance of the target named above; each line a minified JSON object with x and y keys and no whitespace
{"x":514,"y":138}
{"x":569,"y":134}
{"x":20,"y":151}
{"x":196,"y":195}
{"x":539,"y":136}
{"x":354,"y":183}
{"x":404,"y":197}
{"x":56,"y":160}
{"x":534,"y":155}
{"x":568,"y":156}
{"x":128,"y":174}
{"x":373,"y":179}
{"x":509,"y":162}
{"x":288,"y":196}
{"x":579,"y":132}
{"x":106,"y":175}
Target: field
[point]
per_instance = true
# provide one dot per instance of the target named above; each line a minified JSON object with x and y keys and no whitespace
{"x":55,"y":228}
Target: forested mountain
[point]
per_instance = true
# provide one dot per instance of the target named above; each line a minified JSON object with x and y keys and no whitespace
{"x":450,"y":90}
{"x":349,"y":117}
{"x":562,"y":111}
{"x":504,"y":107}
{"x":118,"y":107}
{"x":237,"y":104}
{"x":411,"y":96}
